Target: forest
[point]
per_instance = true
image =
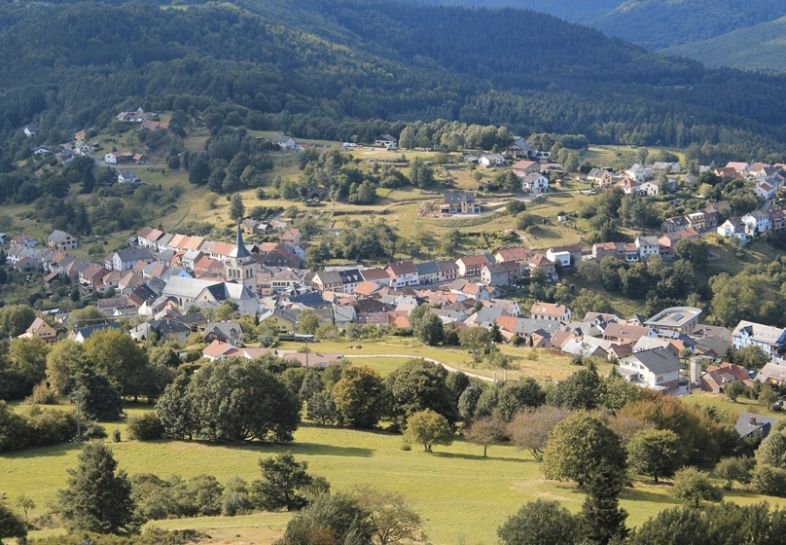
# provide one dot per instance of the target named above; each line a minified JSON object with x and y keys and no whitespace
{"x":350,"y":69}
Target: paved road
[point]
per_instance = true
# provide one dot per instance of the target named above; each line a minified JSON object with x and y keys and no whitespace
{"x":413,"y":356}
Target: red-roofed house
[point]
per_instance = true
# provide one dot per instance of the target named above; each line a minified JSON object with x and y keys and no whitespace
{"x":549,"y":311}
{"x":470,"y":266}
{"x":403,"y":274}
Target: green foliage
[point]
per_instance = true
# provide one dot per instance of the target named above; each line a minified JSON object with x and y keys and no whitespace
{"x":15,"y":319}
{"x":97,"y":497}
{"x":147,"y":427}
{"x":772,"y":450}
{"x":530,"y":428}
{"x":418,"y":385}
{"x":541,"y":522}
{"x":427,"y":326}
{"x":602,"y":520}
{"x":578,"y":391}
{"x":330,"y":518}
{"x":735,"y":469}
{"x":655,"y":453}
{"x":360,"y":397}
{"x":578,"y":446}
{"x":769,"y":480}
{"x":485,"y":432}
{"x":156,"y":498}
{"x":428,"y":428}
{"x":39,"y":428}
{"x":11,"y":525}
{"x":692,"y":487}
{"x":282,"y":484}
{"x":503,"y":400}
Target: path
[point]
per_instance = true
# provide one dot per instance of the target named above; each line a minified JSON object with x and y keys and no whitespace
{"x":413,"y":356}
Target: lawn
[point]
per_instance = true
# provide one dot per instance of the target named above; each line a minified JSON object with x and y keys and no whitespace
{"x":459,"y":494}
{"x":729,"y":409}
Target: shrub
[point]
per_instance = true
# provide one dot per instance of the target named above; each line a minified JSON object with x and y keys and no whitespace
{"x":147,"y":427}
{"x":42,"y":394}
{"x":769,"y":480}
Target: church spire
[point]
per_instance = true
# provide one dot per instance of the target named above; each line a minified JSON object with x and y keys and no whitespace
{"x":240,"y":249}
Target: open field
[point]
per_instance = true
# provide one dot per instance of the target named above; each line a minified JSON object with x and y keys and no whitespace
{"x":460,"y":494}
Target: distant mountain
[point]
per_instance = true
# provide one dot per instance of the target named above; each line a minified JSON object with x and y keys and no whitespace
{"x":654,"y":24}
{"x":760,"y":47}
{"x":338,"y":68}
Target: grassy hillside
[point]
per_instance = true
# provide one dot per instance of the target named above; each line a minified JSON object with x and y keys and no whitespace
{"x":760,"y":47}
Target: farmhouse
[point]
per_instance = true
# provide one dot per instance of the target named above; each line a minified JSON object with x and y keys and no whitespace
{"x":770,"y":339}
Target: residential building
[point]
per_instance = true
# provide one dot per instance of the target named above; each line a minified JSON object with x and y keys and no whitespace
{"x":490,"y":160}
{"x":39,"y":329}
{"x":448,"y":270}
{"x":675,"y":224}
{"x":60,"y":240}
{"x":749,"y":424}
{"x":524,"y":167}
{"x":500,"y":274}
{"x":677,"y":319}
{"x":459,"y":202}
{"x":535,"y":183}
{"x":428,"y":272}
{"x":402,"y":274}
{"x":717,"y":377}
{"x":124,"y":260}
{"x":772,"y":340}
{"x":657,"y":369}
{"x":471,"y":265}
{"x":550,"y":312}
{"x":386,"y":141}
{"x":756,"y":223}
{"x":734,"y":228}
{"x":647,"y":246}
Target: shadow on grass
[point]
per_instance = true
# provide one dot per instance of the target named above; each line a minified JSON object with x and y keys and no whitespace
{"x":477,"y":457}
{"x":637,"y":494}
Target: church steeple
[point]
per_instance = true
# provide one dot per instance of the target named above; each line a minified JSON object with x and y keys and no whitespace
{"x":240,"y":251}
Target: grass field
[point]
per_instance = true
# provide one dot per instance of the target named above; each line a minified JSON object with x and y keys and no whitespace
{"x":459,"y":494}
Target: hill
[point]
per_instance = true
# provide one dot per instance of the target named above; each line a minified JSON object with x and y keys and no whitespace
{"x":324,"y":69}
{"x":760,"y":47}
{"x":653,"y":24}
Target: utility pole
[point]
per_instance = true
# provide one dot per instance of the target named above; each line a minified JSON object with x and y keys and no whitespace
{"x":78,"y":398}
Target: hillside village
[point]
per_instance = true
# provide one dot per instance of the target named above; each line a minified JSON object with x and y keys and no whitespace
{"x":160,"y":281}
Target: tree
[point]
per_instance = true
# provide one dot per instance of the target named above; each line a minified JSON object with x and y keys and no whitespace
{"x":580,"y":444}
{"x":530,"y":428}
{"x":392,"y":519}
{"x":10,"y":524}
{"x":475,"y":340}
{"x":421,"y":174}
{"x":330,"y":519}
{"x":734,"y":469}
{"x":691,"y":487}
{"x":98,"y":398}
{"x":769,"y":480}
{"x":419,"y":385}
{"x":428,"y":428}
{"x":677,"y":526}
{"x":540,"y":522}
{"x":15,"y":319}
{"x":735,"y":389}
{"x":772,"y":450}
{"x":359,"y":397}
{"x":65,"y":361}
{"x":175,"y":408}
{"x":578,"y":391}
{"x":237,"y":210}
{"x":116,"y":355}
{"x":25,"y":367}
{"x":602,"y":520}
{"x":485,"y":432}
{"x":283,"y":480}
{"x":97,"y":498}
{"x":255,"y":404}
{"x":308,"y":322}
{"x":468,"y":402}
{"x":655,"y":452}
{"x":428,"y":328}
{"x":751,"y":356}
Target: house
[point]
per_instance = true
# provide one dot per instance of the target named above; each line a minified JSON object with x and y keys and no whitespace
{"x":629,"y":186}
{"x":749,"y":424}
{"x":386,"y":141}
{"x":539,"y":262}
{"x":764,"y":190}
{"x":638,"y":173}
{"x":471,"y":265}
{"x":599,"y":176}
{"x":676,"y":319}
{"x":550,"y":312}
{"x":124,"y":260}
{"x":160,"y":329}
{"x":60,"y":240}
{"x":517,"y":254}
{"x":293,"y":237}
{"x":647,"y":246}
{"x":675,"y":224}
{"x":376,"y":275}
{"x":490,"y":160}
{"x":777,"y":219}
{"x":697,"y":220}
{"x":716,"y":377}
{"x":81,"y":334}
{"x":459,"y":202}
{"x":607,"y":249}
{"x":500,"y":274}
{"x":626,"y":333}
{"x":649,"y":188}
{"x":657,"y":369}
{"x":666,"y":167}
{"x":286,"y":143}
{"x":328,"y":280}
{"x":519,"y":148}
{"x":149,"y":237}
{"x":448,"y":270}
{"x":226,"y":332}
{"x":30,"y":130}
{"x":734,"y":228}
{"x":562,"y":258}
{"x":402,"y":274}
{"x":127,"y":177}
{"x":771,"y":340}
{"x":39,"y":329}
{"x":428,"y":272}
{"x":741,"y":169}
{"x":534,"y":182}
{"x":756,"y":223}
{"x":524,"y":167}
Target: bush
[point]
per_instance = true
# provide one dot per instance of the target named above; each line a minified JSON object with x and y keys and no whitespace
{"x":42,"y":395}
{"x":147,"y":427}
{"x":770,"y":480}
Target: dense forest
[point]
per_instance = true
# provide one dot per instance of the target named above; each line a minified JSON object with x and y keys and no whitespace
{"x":348,"y":69}
{"x":654,"y":24}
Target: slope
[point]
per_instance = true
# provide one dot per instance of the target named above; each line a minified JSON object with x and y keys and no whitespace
{"x":321,"y":67}
{"x":760,"y":47}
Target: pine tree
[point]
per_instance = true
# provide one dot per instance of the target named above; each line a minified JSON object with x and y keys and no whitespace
{"x":601,"y":517}
{"x":98,"y":497}
{"x":10,"y":524}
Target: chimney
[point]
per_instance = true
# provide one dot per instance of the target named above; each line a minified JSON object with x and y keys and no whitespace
{"x":753,"y":420}
{"x":695,"y":372}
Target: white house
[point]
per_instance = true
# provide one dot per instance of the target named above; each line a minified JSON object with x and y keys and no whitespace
{"x":550,"y":312}
{"x":649,"y":188}
{"x":657,"y":368}
{"x":535,"y":183}
{"x":764,"y":190}
{"x":770,"y":339}
{"x":491,"y":160}
{"x":127,"y":177}
{"x":647,"y":246}
{"x":734,"y":228}
{"x":386,"y":141}
{"x":638,"y":172}
{"x":560,"y":257}
{"x":110,"y":159}
{"x":756,"y":223}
